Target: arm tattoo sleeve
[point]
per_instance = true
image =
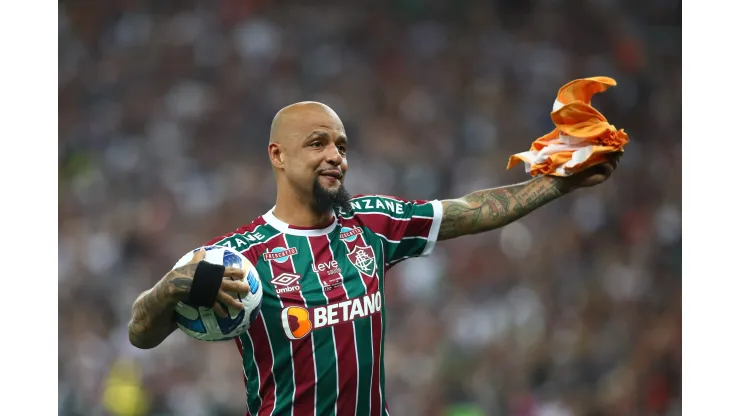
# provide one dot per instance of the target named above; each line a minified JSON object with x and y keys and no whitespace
{"x":488,"y":209}
{"x":151,"y":320}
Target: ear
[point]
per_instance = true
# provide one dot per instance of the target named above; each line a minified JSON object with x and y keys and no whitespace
{"x":277,"y":155}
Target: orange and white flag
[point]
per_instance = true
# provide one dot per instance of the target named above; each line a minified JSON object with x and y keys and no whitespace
{"x":582,"y":136}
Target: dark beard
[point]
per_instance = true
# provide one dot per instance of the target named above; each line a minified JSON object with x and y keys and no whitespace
{"x":324,"y":200}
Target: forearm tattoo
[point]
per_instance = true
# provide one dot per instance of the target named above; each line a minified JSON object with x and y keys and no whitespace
{"x":152,"y":321}
{"x":493,"y":208}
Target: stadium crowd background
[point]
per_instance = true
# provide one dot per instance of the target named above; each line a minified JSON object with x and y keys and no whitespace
{"x":164,"y":113}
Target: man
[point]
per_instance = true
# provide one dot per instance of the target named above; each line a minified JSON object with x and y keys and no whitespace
{"x":316,"y":348}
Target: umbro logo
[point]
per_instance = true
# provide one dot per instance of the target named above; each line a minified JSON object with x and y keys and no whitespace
{"x":285,"y":279}
{"x":286,"y":282}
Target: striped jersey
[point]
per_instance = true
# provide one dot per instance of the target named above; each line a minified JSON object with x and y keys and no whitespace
{"x":316,"y":347}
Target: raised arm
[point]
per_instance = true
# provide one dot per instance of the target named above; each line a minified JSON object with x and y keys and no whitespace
{"x":489,"y":209}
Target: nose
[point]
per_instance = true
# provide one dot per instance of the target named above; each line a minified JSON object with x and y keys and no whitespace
{"x":334,"y":156}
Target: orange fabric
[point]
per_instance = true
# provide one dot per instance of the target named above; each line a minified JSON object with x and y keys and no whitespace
{"x":582,"y":136}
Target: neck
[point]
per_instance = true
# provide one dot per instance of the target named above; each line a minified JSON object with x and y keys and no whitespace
{"x":296,"y":211}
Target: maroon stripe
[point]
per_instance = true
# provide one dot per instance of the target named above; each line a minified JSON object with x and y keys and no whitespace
{"x":391,"y":228}
{"x":376,"y":222}
{"x":418,"y":227}
{"x":263,"y":355}
{"x":304,"y":374}
{"x":344,"y":333}
{"x":372,"y":285}
{"x":377,"y":326}
{"x":375,"y":403}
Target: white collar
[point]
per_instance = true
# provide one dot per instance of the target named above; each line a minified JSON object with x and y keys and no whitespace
{"x":285,"y":228}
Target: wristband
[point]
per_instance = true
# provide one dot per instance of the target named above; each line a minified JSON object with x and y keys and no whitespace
{"x":206,"y":284}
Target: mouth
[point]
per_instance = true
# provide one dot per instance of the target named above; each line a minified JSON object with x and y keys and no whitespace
{"x":332,"y":174}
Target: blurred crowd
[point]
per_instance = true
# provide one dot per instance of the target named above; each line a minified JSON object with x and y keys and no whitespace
{"x":164,"y":113}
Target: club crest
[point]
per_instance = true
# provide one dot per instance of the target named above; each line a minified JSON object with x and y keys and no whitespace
{"x":363,"y":258}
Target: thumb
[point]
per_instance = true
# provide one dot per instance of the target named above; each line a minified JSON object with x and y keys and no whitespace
{"x":198,"y":256}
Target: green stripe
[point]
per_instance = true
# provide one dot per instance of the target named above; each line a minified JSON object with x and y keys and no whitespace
{"x":243,"y":241}
{"x":283,"y":364}
{"x":353,"y":283}
{"x":408,"y":247}
{"x":281,"y":348}
{"x":420,"y":210}
{"x":253,"y":381}
{"x":323,"y":339}
{"x":393,"y":207}
{"x":381,"y":287}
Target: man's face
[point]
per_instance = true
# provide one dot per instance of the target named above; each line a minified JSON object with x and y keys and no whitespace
{"x":316,"y":159}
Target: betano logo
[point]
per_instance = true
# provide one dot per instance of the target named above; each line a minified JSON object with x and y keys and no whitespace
{"x":299,"y":322}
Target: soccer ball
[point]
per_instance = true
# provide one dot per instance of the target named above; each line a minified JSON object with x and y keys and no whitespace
{"x":203,"y":323}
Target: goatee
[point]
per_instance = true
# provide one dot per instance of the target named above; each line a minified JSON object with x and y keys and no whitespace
{"x":324,"y":199}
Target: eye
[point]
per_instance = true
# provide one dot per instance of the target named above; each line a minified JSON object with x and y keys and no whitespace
{"x":315,"y":144}
{"x":342,"y":149}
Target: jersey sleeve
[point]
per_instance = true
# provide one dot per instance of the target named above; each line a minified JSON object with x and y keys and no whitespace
{"x":408,"y":228}
{"x":243,"y":240}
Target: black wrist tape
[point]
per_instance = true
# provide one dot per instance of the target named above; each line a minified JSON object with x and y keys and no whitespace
{"x":206,"y":284}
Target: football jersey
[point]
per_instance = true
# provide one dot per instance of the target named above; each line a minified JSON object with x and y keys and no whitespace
{"x":316,"y":347}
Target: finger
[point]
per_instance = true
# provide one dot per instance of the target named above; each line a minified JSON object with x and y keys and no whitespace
{"x":615,"y":157}
{"x":198,"y":256}
{"x":220,"y":310}
{"x":235,"y":272}
{"x":235,"y":286}
{"x":229,"y":300}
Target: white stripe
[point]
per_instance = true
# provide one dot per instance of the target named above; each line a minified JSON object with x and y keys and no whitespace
{"x":313,"y":350}
{"x":434,"y":230}
{"x":392,"y":262}
{"x":408,"y":237}
{"x":377,"y":213}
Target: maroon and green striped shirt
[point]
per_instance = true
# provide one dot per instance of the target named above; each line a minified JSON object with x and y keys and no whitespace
{"x":316,"y":347}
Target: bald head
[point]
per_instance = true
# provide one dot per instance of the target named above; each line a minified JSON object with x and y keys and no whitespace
{"x":308,"y":152}
{"x":298,"y":120}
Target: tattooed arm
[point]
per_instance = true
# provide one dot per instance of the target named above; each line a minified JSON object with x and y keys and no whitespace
{"x":493,"y":208}
{"x":489,"y":209}
{"x":152,"y":312}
